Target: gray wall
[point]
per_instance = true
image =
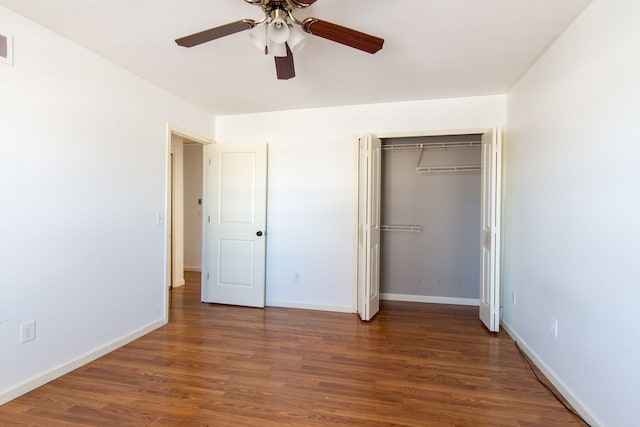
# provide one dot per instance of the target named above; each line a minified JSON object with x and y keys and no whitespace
{"x":444,"y":259}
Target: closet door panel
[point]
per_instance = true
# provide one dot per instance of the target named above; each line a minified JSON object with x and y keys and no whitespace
{"x":490,"y":231}
{"x":369,"y":174}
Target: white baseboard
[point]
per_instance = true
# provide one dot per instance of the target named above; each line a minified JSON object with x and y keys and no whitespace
{"x":566,"y":392}
{"x":196,"y":269}
{"x":60,"y":370}
{"x":304,"y":306}
{"x":431,"y":300}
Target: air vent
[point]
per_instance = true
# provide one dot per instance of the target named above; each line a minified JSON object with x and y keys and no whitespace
{"x":6,"y":49}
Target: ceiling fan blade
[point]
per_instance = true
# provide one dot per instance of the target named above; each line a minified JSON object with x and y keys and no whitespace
{"x":215,"y":33}
{"x":284,"y":65}
{"x":343,"y":35}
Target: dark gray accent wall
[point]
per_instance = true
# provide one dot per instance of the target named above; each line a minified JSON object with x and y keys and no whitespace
{"x":4,"y":48}
{"x":443,"y":259}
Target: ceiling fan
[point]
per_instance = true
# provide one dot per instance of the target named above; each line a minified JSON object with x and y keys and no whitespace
{"x":276,"y":35}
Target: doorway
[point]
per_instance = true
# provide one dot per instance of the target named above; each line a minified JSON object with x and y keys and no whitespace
{"x":430,"y":212}
{"x":184,"y":202}
{"x":193,"y":195}
{"x":186,"y":208}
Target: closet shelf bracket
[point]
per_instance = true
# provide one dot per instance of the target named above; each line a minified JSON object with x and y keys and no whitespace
{"x":420,"y":158}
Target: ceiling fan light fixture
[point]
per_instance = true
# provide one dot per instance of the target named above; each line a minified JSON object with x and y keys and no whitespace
{"x":278,"y":31}
{"x":297,"y":40}
{"x":270,"y":38}
{"x":278,"y":49}
{"x":258,"y":36}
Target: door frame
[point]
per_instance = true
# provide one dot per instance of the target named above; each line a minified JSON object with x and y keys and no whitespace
{"x":174,"y":130}
{"x":409,"y":134}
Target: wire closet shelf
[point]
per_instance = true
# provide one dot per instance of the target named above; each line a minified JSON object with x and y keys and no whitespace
{"x":440,"y":146}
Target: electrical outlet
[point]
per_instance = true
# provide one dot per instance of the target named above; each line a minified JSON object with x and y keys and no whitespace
{"x":27,"y":332}
{"x":554,"y":327}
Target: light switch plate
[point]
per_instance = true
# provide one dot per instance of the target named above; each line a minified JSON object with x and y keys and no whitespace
{"x":6,"y":48}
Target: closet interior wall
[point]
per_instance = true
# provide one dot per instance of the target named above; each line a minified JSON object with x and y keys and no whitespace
{"x":430,"y":247}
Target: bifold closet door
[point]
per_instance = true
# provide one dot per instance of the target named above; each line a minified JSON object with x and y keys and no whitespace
{"x":369,"y":174}
{"x":490,"y":229}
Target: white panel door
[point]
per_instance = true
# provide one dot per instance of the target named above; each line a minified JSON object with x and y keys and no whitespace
{"x":490,"y":230}
{"x":235,"y":246}
{"x":369,"y":173}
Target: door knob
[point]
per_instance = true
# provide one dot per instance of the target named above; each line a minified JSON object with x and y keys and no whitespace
{"x":259,"y":233}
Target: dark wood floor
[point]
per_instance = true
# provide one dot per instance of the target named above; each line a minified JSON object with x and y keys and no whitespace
{"x":414,"y":365}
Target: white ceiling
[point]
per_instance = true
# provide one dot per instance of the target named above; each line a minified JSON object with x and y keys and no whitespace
{"x":433,"y":48}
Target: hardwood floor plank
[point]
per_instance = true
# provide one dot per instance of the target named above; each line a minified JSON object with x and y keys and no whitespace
{"x":213,"y":365}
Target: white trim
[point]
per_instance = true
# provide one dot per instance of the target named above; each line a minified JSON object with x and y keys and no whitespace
{"x":354,"y":293}
{"x":206,"y":172}
{"x":195,"y":269}
{"x":430,"y":299}
{"x":184,"y":133}
{"x":442,"y":132}
{"x":60,"y":370}
{"x":305,"y":306}
{"x":566,"y":392}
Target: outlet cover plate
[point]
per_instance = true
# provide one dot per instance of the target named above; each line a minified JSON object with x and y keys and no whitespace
{"x":28,"y":331}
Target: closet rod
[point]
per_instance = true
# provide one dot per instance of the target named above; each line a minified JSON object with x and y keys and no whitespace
{"x":460,"y":168}
{"x":432,"y":145}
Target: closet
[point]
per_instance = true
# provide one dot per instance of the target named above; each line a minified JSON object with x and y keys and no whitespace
{"x":430,"y":219}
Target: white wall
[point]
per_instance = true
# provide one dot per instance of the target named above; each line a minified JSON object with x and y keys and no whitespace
{"x":83,"y":148}
{"x":572,"y":221}
{"x":192,"y":210}
{"x":312,"y":168}
{"x":177,"y":217}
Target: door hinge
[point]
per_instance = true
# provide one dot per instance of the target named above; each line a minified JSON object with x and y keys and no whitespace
{"x":209,"y":162}
{"x":207,"y":276}
{"x":209,"y":219}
